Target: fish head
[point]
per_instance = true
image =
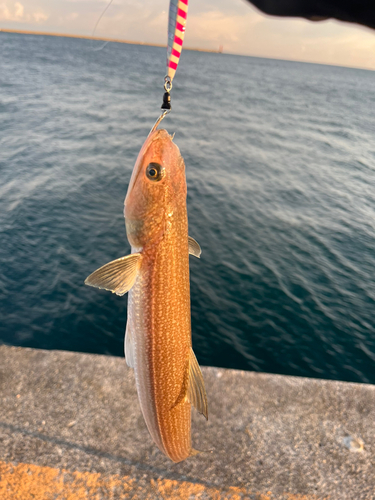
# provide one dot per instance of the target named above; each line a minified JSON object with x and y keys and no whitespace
{"x":157,"y":189}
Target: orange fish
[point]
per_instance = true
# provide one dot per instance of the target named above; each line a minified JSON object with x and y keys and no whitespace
{"x":156,"y":275}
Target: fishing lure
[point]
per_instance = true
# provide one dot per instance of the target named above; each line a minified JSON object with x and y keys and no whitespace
{"x":176,"y":32}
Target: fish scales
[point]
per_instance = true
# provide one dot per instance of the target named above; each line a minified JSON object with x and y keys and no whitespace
{"x":158,"y":333}
{"x":159,"y":316}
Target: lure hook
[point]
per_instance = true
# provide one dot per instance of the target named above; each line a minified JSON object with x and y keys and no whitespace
{"x":157,"y":123}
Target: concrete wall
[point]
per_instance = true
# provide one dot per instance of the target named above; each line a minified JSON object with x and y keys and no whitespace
{"x":71,"y":428}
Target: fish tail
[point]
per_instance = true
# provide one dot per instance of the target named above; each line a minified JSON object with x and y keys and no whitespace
{"x":194,"y":452}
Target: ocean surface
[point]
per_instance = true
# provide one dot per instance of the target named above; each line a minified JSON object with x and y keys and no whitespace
{"x":280,"y":161}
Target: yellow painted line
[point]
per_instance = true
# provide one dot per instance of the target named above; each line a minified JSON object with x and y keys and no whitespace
{"x":33,"y":482}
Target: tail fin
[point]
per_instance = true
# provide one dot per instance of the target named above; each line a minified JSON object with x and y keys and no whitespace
{"x":194,"y":452}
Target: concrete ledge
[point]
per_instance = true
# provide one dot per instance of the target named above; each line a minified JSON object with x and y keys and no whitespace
{"x":71,"y":422}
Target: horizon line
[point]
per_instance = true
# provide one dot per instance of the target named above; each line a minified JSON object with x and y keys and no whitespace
{"x":101,"y":38}
{"x":149,"y":44}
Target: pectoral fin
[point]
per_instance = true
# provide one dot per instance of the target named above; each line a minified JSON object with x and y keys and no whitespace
{"x":196,"y":392}
{"x":117,"y":276}
{"x":194,"y":248}
{"x":129,"y":354}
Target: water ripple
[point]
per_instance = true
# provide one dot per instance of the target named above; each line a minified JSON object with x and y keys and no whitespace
{"x":281,"y":174}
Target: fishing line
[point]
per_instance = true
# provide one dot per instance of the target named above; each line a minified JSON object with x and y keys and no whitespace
{"x":96,"y":25}
{"x":176,"y":32}
{"x":101,"y":47}
{"x":101,"y":15}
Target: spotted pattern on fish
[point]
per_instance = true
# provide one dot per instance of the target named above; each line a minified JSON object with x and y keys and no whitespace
{"x":159,"y":319}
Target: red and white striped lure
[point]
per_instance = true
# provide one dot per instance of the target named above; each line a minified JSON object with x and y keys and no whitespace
{"x":176,"y":31}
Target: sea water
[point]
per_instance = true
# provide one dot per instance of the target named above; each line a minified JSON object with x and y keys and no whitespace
{"x":280,"y":164}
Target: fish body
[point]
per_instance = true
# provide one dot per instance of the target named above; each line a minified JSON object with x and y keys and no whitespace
{"x":158,"y":333}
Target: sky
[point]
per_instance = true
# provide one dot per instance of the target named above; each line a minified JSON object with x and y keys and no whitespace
{"x":235,"y":24}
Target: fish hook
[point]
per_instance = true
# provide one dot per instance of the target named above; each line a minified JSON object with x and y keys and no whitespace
{"x":157,"y":123}
{"x":166,"y":106}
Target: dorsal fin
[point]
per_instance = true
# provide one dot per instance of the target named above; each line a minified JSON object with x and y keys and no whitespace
{"x":193,"y":390}
{"x":194,"y":248}
{"x":196,"y":392}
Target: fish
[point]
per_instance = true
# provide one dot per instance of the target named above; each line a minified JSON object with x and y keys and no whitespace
{"x":158,"y":341}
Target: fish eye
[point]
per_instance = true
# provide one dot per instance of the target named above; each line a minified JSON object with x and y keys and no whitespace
{"x":154,"y":172}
